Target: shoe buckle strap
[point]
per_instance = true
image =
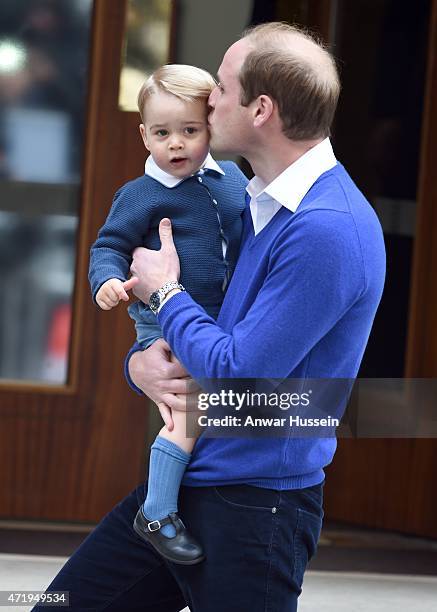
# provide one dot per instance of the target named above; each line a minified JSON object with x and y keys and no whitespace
{"x":157,"y":523}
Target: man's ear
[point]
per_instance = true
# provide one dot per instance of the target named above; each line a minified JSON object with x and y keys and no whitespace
{"x":144,"y":136}
{"x":263,"y":110}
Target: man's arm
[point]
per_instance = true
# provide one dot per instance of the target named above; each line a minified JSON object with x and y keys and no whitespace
{"x":156,"y":373}
{"x":314,"y":277}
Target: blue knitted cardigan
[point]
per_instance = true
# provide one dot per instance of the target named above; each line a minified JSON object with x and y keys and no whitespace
{"x":205,"y":210}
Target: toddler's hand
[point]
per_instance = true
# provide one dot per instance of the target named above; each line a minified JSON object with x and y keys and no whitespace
{"x":114,"y":290}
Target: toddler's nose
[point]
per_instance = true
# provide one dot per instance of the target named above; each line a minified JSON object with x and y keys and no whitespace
{"x":175,"y":144}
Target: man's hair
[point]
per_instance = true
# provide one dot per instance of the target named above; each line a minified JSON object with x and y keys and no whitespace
{"x":291,"y":66}
{"x":187,"y":83}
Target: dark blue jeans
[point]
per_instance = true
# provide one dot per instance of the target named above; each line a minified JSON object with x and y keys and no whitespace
{"x":257,"y":543}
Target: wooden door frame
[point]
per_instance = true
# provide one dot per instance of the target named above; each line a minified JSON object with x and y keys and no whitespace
{"x":422,"y":332}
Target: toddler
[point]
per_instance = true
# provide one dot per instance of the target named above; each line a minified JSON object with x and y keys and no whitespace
{"x":204,"y":200}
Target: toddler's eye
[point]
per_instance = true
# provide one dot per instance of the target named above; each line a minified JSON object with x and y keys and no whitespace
{"x":191,"y":130}
{"x":161,"y":133}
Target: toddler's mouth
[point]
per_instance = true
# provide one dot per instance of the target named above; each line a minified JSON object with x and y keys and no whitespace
{"x":177,"y":161}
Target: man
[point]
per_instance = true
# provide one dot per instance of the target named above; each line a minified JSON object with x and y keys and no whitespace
{"x":300,"y":305}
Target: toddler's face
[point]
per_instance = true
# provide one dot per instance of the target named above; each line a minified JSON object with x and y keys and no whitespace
{"x":176,"y":133}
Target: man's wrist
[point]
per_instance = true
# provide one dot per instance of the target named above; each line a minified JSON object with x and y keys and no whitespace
{"x":168,"y":297}
{"x":158,"y":297}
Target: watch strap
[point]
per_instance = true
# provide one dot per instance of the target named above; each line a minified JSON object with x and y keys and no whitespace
{"x":160,"y":294}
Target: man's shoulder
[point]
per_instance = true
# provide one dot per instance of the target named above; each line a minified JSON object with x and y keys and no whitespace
{"x":333,"y":213}
{"x":318,"y":226}
{"x":335,"y":217}
{"x":335,"y":190}
{"x":335,"y":193}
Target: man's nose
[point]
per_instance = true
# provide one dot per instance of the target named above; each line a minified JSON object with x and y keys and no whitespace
{"x":212,"y":97}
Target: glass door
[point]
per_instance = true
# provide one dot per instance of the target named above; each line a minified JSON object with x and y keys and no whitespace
{"x":44,"y":69}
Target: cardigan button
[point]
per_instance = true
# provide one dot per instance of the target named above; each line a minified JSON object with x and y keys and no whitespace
{"x":199,"y":178}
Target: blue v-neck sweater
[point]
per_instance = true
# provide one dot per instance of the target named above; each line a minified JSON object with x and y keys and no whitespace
{"x":300,"y":304}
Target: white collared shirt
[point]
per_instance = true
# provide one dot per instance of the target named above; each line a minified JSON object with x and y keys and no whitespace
{"x":152,"y":169}
{"x":290,"y":187}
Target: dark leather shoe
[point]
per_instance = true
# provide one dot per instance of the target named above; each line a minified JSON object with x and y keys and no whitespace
{"x":181,"y":548}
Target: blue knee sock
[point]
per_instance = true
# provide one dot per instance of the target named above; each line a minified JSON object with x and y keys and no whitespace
{"x":166,"y":469}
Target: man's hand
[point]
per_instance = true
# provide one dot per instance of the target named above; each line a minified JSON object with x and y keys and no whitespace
{"x":162,"y":378}
{"x":114,"y":290}
{"x":155,"y":268}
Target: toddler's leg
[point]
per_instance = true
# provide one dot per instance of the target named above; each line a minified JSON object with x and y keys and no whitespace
{"x":169,"y":457}
{"x":157,"y":521}
{"x":170,"y":454}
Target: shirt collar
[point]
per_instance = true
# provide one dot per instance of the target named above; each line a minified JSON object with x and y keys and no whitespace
{"x":290,"y":187}
{"x":152,"y":169}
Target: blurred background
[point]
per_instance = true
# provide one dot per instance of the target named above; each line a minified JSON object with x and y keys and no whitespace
{"x":44,"y":66}
{"x":71,"y":432}
{"x":44,"y":78}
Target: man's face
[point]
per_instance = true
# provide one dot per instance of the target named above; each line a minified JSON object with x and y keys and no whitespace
{"x":229,"y":122}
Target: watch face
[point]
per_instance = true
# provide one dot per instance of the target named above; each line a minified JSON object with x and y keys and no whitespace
{"x":154,"y":301}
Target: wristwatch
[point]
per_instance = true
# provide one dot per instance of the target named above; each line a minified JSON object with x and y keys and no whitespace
{"x":159,"y":295}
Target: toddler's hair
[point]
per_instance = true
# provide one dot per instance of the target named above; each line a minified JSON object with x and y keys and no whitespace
{"x":187,"y":83}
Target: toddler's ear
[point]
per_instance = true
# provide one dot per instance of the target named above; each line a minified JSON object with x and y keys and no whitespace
{"x":143,"y":136}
